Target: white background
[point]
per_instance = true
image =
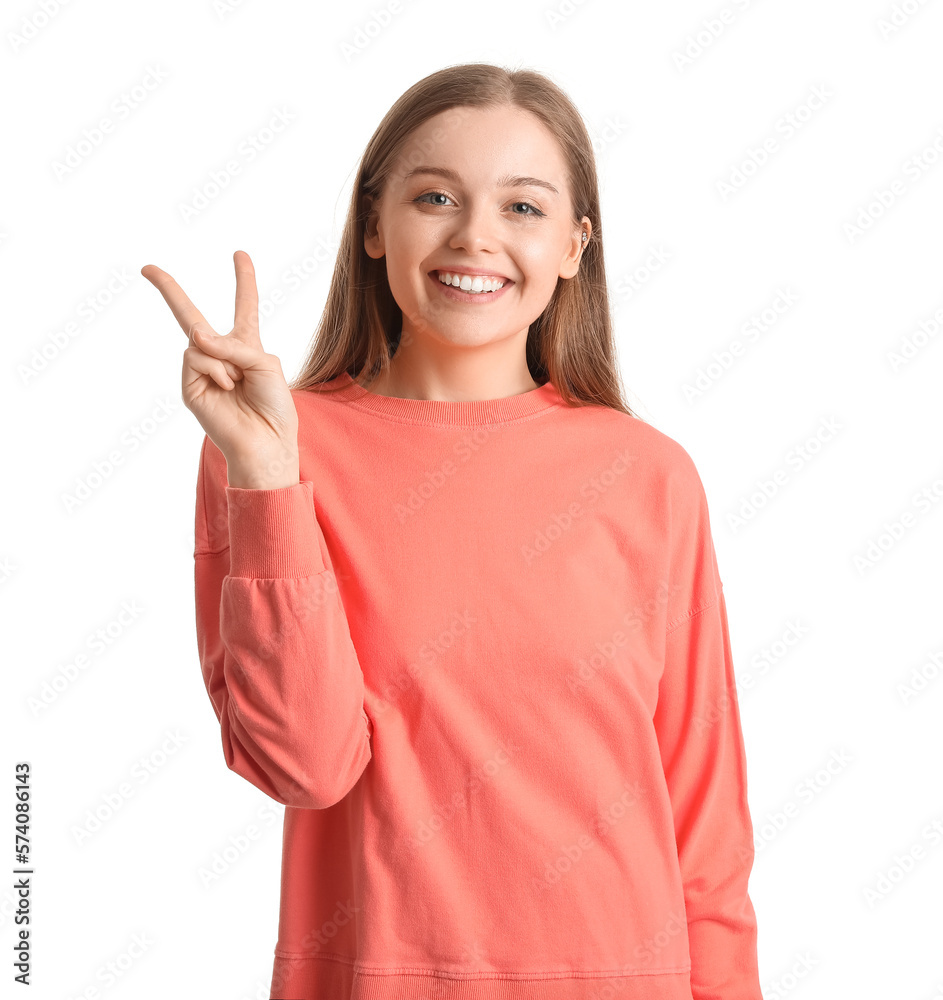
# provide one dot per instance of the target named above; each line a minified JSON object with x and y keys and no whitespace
{"x":668,"y":134}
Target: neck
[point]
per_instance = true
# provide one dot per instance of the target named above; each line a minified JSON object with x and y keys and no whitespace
{"x":427,"y":379}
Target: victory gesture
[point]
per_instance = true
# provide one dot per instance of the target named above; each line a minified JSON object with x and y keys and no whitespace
{"x":236,"y":390}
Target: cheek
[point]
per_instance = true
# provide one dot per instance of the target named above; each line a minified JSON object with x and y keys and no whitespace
{"x":407,"y":247}
{"x":401,"y":260}
{"x":540,"y":253}
{"x":543,"y":268}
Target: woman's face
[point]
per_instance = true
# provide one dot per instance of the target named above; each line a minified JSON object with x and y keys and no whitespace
{"x":476,"y":190}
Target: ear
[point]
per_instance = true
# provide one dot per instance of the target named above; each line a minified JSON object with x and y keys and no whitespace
{"x":372,"y":237}
{"x":570,"y":263}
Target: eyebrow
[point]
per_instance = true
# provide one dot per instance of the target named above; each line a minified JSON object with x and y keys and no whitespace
{"x":507,"y":181}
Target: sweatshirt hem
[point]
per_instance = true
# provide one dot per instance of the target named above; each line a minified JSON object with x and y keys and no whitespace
{"x":298,"y":977}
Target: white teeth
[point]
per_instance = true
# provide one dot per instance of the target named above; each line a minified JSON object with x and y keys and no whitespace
{"x":469,"y":284}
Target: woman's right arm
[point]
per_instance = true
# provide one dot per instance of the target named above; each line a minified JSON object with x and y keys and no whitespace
{"x":274,"y":644}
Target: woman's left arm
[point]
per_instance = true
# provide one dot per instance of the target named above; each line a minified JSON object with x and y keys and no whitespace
{"x":697,"y":723}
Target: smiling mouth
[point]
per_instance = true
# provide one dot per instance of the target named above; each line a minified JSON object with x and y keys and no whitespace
{"x":474,"y":284}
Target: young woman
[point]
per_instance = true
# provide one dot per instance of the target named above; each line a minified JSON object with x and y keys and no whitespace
{"x":458,"y":607}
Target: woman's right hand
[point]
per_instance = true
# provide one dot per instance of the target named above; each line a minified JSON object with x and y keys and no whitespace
{"x":236,"y":390}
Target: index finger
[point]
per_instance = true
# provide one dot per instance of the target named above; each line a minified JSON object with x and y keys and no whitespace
{"x":180,"y":305}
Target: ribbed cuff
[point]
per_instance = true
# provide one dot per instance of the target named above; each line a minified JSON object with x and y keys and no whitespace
{"x":273,"y":533}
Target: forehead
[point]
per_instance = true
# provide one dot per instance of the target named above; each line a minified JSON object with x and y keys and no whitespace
{"x":484,"y":144}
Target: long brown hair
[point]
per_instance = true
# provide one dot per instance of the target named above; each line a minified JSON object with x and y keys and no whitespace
{"x":570,"y":343}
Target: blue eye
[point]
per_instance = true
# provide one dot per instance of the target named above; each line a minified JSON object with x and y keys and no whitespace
{"x":440,"y":194}
{"x":429,"y":194}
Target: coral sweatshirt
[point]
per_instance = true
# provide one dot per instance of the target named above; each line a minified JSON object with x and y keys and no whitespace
{"x":480,"y":654}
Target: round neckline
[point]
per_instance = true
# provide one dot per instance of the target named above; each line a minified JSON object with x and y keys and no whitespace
{"x":449,"y":412}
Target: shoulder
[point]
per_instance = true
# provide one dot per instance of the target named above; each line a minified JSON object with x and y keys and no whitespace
{"x":661,"y":463}
{"x":322,"y":392}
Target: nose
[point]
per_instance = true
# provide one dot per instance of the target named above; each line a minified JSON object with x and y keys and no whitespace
{"x":475,"y":229}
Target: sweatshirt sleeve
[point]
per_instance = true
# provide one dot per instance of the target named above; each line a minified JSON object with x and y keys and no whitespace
{"x":697,"y":722}
{"x":274,"y":644}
